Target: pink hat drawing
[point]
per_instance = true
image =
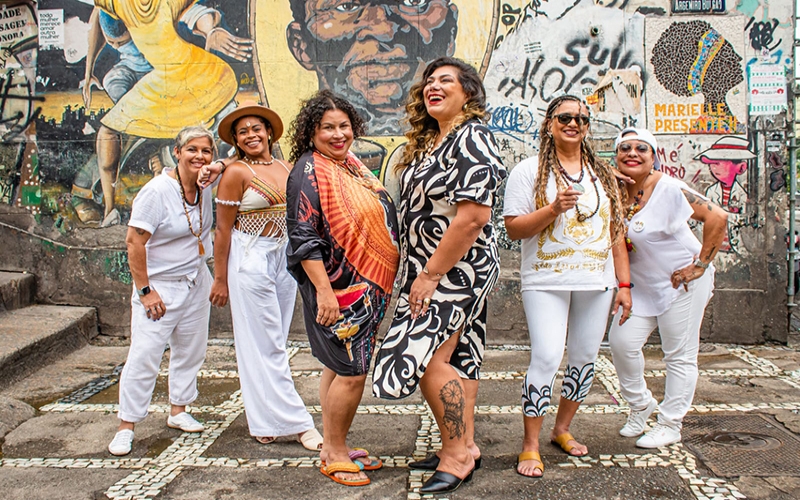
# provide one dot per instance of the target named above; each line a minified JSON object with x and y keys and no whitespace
{"x":728,"y":148}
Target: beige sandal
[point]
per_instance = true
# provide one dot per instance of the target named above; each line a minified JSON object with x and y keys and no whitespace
{"x":264,"y":439}
{"x":310,"y":439}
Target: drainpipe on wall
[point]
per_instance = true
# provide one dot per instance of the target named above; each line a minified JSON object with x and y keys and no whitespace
{"x":790,"y":305}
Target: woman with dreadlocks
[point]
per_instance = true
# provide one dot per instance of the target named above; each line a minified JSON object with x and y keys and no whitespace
{"x":565,"y":207}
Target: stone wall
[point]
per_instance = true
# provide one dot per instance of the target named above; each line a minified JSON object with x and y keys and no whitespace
{"x":91,"y":99}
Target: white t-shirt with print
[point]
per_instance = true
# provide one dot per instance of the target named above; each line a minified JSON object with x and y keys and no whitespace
{"x":172,"y":250}
{"x":663,"y":243}
{"x":569,"y":254}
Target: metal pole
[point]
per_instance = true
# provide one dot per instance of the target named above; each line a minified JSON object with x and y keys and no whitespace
{"x":790,"y":304}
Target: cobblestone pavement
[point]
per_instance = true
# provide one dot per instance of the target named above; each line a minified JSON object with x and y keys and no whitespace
{"x":61,"y":453}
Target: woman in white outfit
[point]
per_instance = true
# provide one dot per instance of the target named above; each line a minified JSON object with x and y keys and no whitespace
{"x":674,"y":281}
{"x":168,"y":244}
{"x":250,"y":270}
{"x":564,"y":206}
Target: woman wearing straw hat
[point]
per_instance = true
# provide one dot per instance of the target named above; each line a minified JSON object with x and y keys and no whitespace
{"x":250,"y":270}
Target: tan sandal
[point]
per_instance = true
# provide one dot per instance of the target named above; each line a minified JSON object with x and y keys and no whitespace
{"x":310,"y":439}
{"x":264,"y":439}
{"x":531,"y":455}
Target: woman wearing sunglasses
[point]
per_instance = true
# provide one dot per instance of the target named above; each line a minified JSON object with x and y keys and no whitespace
{"x":565,"y":207}
{"x":674,"y":281}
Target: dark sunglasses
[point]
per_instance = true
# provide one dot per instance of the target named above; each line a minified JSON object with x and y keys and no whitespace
{"x":565,"y":119}
{"x":641,"y":148}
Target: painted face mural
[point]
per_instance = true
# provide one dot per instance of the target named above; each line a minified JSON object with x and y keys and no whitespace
{"x":370,"y":51}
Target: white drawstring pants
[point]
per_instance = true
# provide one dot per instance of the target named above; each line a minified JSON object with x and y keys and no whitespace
{"x":184,"y":327}
{"x":262,"y":295}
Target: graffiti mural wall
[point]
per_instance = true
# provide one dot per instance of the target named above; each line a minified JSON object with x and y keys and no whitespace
{"x":93,"y":91}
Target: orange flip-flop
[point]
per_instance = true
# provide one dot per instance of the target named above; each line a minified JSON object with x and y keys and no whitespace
{"x":332,"y":469}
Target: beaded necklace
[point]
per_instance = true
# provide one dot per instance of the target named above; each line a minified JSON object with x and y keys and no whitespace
{"x":259,"y":162}
{"x":198,"y":201}
{"x":581,"y":217}
{"x":633,"y":210}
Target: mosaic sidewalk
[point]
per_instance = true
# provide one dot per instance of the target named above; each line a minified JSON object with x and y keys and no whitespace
{"x":168,"y":464}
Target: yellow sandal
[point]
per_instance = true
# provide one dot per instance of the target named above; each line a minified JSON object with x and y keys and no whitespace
{"x":563,"y":440}
{"x":531,"y":455}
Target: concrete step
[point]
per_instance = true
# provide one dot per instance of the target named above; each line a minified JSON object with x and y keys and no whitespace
{"x":38,"y":335}
{"x":17,"y":290}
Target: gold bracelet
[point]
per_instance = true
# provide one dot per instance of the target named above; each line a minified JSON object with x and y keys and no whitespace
{"x":426,"y":271}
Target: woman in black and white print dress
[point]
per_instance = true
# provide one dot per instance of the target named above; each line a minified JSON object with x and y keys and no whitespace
{"x":451,"y":170}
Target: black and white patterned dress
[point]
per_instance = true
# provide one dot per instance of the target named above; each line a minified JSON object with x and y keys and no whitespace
{"x":465,"y":167}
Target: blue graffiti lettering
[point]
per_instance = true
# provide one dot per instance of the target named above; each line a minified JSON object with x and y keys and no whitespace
{"x":511,"y":119}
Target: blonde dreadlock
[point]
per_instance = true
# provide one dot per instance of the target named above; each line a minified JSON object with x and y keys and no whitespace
{"x":548,"y":165}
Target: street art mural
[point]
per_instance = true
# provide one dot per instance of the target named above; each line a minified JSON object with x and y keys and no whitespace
{"x":128,"y":82}
{"x":19,"y":168}
{"x":114,"y":81}
{"x":598,"y":55}
{"x":727,"y":159}
{"x":698,"y":81}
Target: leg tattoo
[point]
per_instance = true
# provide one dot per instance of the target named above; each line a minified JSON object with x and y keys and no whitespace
{"x":452,"y":397}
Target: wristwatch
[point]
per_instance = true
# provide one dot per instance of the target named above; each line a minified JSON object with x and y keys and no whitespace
{"x":699,"y":263}
{"x":141,"y":292}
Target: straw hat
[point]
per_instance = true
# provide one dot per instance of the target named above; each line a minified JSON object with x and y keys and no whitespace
{"x":728,"y":148}
{"x":249,"y":108}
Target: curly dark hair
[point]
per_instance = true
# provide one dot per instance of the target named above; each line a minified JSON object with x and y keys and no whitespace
{"x":425,"y":128}
{"x":308,"y":119}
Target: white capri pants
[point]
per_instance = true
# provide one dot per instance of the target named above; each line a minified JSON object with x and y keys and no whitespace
{"x":262,"y":295}
{"x":184,"y":327}
{"x":548,"y":313}
{"x":679,"y":328}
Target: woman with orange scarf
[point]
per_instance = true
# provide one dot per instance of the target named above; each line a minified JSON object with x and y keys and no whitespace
{"x":343,"y":253}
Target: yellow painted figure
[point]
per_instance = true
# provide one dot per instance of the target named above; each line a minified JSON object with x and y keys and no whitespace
{"x":196,"y":88}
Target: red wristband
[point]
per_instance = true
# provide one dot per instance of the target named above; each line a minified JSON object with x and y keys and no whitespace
{"x":625,"y":285}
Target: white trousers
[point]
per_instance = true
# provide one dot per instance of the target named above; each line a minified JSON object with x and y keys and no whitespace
{"x":184,"y":327}
{"x":679,"y":328}
{"x":262,"y":295}
{"x":549,"y":313}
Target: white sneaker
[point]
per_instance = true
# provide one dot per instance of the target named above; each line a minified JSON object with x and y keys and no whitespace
{"x":121,"y":444}
{"x":184,"y":422}
{"x":660,"y":435}
{"x":637,"y":420}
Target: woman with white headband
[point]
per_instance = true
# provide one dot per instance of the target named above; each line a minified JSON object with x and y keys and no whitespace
{"x":674,"y":281}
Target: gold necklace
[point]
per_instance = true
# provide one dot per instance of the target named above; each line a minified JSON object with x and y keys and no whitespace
{"x":259,"y":162}
{"x":199,"y":235}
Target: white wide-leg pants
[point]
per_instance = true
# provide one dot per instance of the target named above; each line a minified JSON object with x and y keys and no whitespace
{"x":184,"y":327}
{"x":679,"y":328}
{"x":262,"y":295}
{"x":548,"y":313}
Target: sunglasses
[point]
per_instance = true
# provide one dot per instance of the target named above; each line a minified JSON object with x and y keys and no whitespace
{"x":626,"y":147}
{"x":565,"y":119}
